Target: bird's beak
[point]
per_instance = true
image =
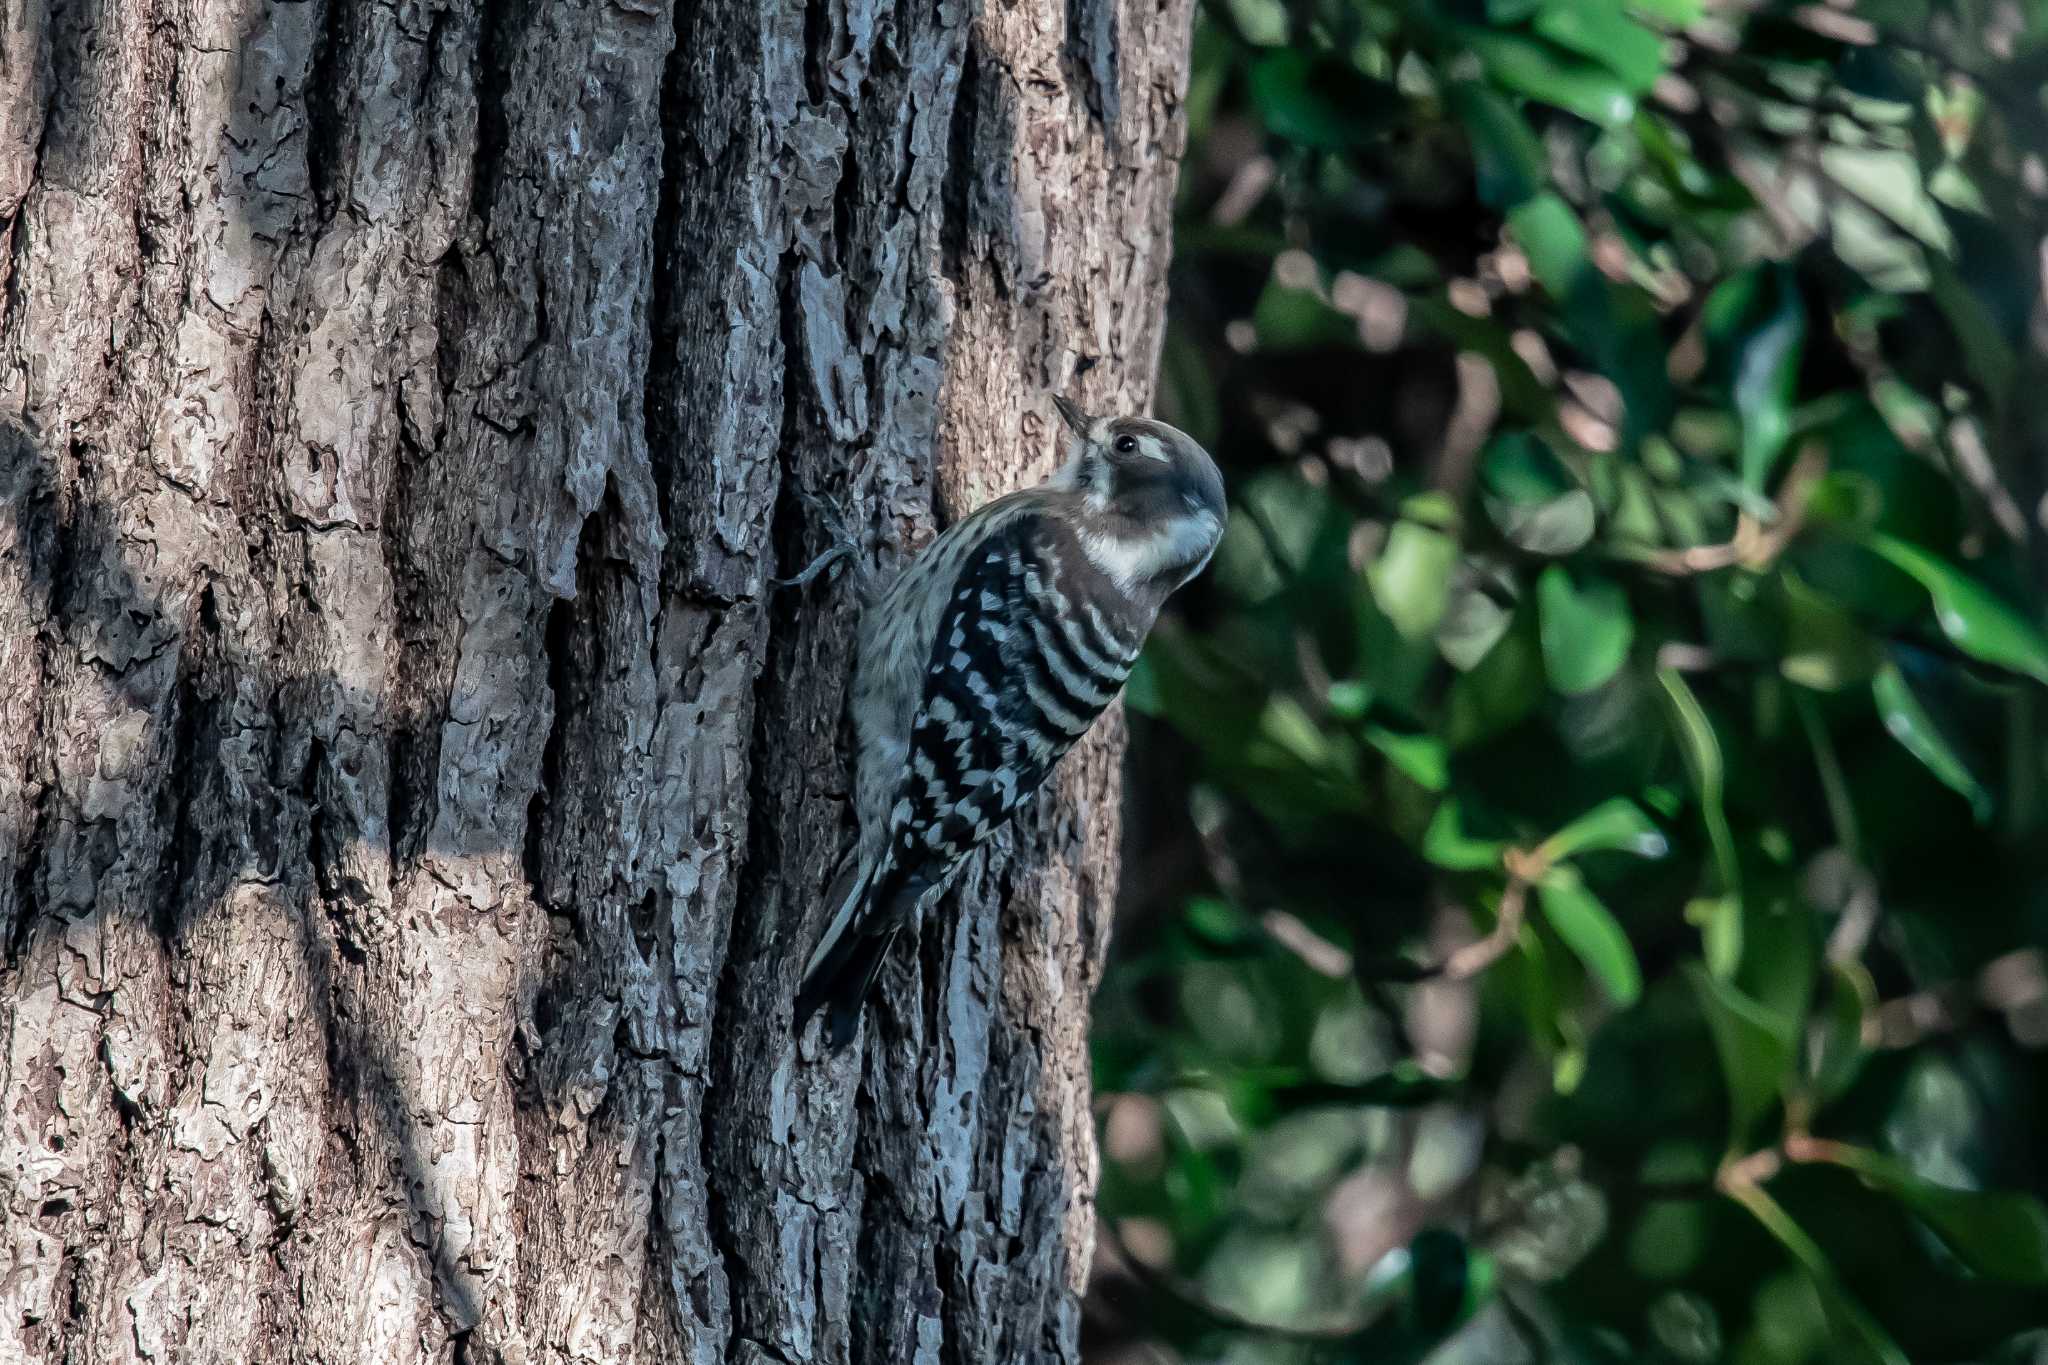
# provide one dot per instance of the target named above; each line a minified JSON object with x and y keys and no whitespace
{"x":1071,"y":414}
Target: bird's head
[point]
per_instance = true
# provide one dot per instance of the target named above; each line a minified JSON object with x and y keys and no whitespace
{"x":1154,"y":496}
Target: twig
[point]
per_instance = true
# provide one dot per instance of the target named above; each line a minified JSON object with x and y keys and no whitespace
{"x":1754,"y":545}
{"x":1474,"y":958}
{"x":1524,"y":869}
{"x":817,"y":566}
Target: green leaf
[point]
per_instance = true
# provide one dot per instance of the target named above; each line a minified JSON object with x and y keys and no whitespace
{"x":1586,"y":631}
{"x":1502,"y":688}
{"x":1219,"y":920}
{"x":1755,"y":1044}
{"x":1767,"y":316}
{"x":1838,"y":1049}
{"x":1411,"y":579}
{"x":1825,"y":649}
{"x":1349,"y":698}
{"x":1290,"y":319}
{"x":1544,"y":72}
{"x":1590,"y":930}
{"x":1854,"y":1320}
{"x":1507,"y":157}
{"x":2003,"y":1235}
{"x":1472,"y":625}
{"x":1557,"y":527}
{"x":1719,"y":920}
{"x":1320,"y":100}
{"x":1446,"y":843}
{"x":1702,"y":752}
{"x":1677,"y":13}
{"x":1981,"y":624}
{"x":1287,"y":725}
{"x":1262,"y":22}
{"x":1846,"y":499}
{"x":1420,"y":756}
{"x":1601,"y":32}
{"x":1554,"y":240}
{"x":1908,"y":722}
{"x":1616,"y":826}
{"x":1990,"y":360}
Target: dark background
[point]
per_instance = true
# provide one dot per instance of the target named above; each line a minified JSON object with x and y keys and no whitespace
{"x":1584,"y":898}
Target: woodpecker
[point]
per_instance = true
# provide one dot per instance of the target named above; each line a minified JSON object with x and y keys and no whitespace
{"x":994,"y":651}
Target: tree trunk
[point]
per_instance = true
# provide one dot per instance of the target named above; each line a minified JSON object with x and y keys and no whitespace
{"x":416,"y":802}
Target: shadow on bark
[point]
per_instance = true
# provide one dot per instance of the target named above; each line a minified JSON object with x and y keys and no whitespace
{"x":872,"y":246}
{"x":68,"y":556}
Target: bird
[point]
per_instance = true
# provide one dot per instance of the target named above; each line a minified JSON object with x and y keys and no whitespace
{"x":986,"y":659}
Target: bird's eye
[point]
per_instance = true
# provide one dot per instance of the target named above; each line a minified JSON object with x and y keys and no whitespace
{"x":1126,"y":444}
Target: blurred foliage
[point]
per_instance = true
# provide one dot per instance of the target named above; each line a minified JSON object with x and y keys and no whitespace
{"x":1587,"y":879}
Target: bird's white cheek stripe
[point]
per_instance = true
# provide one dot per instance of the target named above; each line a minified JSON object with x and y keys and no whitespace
{"x":1127,"y":563}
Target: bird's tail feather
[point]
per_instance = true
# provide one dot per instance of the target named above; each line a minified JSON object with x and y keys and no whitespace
{"x":841,"y":985}
{"x":846,"y":959}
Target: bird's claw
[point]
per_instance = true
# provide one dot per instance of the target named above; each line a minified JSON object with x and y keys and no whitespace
{"x":843,"y":550}
{"x":845,"y":545}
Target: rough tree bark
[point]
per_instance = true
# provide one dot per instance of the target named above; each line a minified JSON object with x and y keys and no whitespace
{"x":413,"y":803}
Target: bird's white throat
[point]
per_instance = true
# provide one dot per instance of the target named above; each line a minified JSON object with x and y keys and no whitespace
{"x":1178,"y":549}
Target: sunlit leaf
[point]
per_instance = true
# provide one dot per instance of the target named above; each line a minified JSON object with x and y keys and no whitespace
{"x":1677,"y":13}
{"x":1261,"y":21}
{"x":1981,"y":624}
{"x":1411,"y":579}
{"x":1349,"y":698}
{"x":1616,"y":826}
{"x":1719,"y":920}
{"x":1289,"y":727}
{"x":1590,"y":930}
{"x":1543,"y":72}
{"x":1553,"y":238}
{"x":1702,"y":752}
{"x":1472,"y":626}
{"x":1763,"y":319}
{"x":1908,"y":721}
{"x":1600,"y":31}
{"x":1420,"y":757}
{"x":1447,"y":844}
{"x":1557,"y":527}
{"x":1586,"y":629}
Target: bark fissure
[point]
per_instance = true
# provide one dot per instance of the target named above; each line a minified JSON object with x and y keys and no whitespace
{"x":327,"y":92}
{"x":193,"y":712}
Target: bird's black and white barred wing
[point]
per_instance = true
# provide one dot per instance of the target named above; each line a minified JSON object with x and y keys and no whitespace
{"x":1033,"y":643}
